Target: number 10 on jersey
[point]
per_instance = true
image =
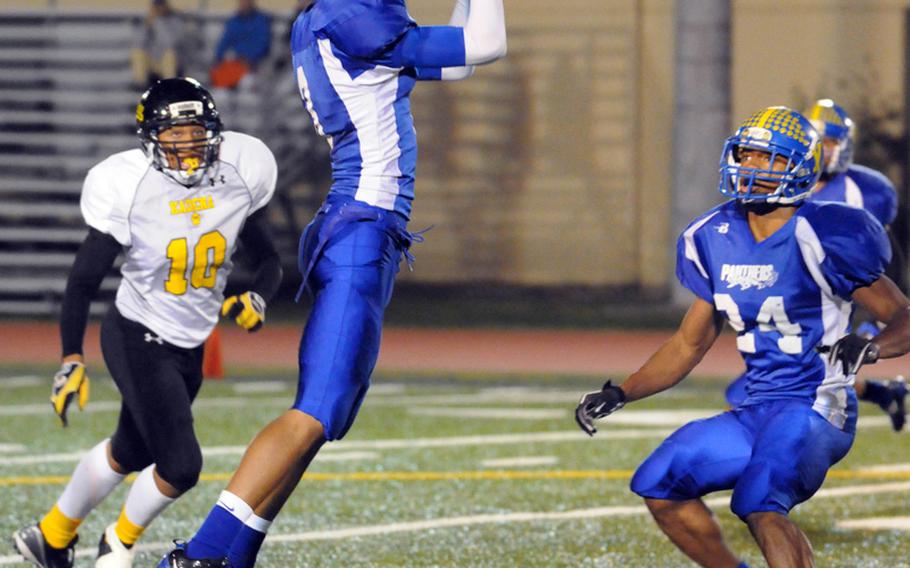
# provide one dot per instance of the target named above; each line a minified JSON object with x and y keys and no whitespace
{"x":208,"y":255}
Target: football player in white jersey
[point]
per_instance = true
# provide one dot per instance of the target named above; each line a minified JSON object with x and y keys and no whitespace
{"x":176,"y":209}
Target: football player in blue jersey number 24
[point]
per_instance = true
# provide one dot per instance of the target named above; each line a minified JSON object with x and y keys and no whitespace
{"x":356,"y":63}
{"x":783,"y":272}
{"x":858,"y":186}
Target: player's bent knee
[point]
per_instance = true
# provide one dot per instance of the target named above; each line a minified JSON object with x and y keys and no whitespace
{"x":181,"y":472}
{"x":128,"y":458}
{"x":657,"y":476}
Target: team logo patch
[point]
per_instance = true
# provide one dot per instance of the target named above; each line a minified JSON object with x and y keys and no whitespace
{"x":185,"y":108}
{"x":758,"y":276}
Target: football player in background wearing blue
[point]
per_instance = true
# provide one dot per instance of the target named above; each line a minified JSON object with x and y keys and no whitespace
{"x":356,"y":63}
{"x":858,"y":186}
{"x":783,"y":272}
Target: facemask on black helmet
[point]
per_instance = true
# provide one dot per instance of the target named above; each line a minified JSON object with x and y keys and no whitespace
{"x":179,"y":129}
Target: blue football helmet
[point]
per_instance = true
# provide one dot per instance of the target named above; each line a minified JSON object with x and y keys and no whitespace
{"x":832,"y":121}
{"x":781,"y":132}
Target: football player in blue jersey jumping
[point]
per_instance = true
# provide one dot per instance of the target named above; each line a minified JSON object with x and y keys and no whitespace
{"x":356,"y":63}
{"x":783,"y":272}
{"x":858,"y":186}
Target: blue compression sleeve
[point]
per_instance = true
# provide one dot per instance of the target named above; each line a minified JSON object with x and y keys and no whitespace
{"x":430,"y":47}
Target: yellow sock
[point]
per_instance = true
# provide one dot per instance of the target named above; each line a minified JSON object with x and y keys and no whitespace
{"x":127,"y":532}
{"x":58,"y":529}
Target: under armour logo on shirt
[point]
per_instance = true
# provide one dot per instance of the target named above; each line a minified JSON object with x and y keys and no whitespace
{"x":150,"y":338}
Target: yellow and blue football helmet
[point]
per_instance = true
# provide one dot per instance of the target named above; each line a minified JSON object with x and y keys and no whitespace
{"x":781,"y":132}
{"x":832,"y":121}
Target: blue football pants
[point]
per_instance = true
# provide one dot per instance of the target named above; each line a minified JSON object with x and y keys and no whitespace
{"x":774,"y":455}
{"x":349,"y":256}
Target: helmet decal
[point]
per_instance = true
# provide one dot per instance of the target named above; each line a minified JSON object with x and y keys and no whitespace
{"x":794,"y":156}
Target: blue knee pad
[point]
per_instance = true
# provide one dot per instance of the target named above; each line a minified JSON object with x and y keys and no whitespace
{"x":349,"y":258}
{"x":794,"y":449}
{"x":701,"y":457}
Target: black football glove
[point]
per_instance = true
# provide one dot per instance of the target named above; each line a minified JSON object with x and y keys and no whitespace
{"x":70,"y":383}
{"x":598,"y":404}
{"x":853,"y":352}
{"x":247,"y":309}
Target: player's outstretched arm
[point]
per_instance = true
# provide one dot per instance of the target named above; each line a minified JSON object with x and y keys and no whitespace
{"x":476,"y":35}
{"x":669,"y":364}
{"x":678,"y":356}
{"x":93,"y":261}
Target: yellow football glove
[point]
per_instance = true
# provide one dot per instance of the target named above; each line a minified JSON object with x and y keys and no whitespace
{"x":247,"y":309}
{"x":69,"y":381}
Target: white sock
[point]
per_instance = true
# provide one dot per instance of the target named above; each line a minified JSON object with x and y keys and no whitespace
{"x":145,"y":501}
{"x":92,"y":481}
{"x":234,"y":505}
{"x":257,"y":523}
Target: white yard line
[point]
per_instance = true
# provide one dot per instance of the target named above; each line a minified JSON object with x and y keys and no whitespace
{"x":207,"y":452}
{"x":497,"y":413}
{"x":392,"y":444}
{"x":11,"y":448}
{"x":469,"y":520}
{"x":520,"y":461}
{"x":248,"y":387}
{"x":23,"y":381}
{"x":877,"y":524}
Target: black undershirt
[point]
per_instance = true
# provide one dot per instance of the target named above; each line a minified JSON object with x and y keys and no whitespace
{"x":96,"y":256}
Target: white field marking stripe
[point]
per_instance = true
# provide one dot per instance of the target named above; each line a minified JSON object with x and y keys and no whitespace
{"x":497,"y":413}
{"x":874,"y":422}
{"x":207,"y":452}
{"x":261,"y":386}
{"x":876,"y":524}
{"x":387,"y":388}
{"x":392,"y":444}
{"x":658,"y":417}
{"x":447,"y":522}
{"x":889,"y":468}
{"x":11,"y":448}
{"x":522,"y":461}
{"x":114,"y":406}
{"x":23,"y":381}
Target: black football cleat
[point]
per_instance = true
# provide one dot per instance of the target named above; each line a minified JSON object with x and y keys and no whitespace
{"x":32,"y":545}
{"x":177,"y":559}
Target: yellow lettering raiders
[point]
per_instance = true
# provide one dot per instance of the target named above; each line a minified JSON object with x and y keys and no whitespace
{"x":747,"y":276}
{"x":193,"y":205}
{"x":177,"y":241}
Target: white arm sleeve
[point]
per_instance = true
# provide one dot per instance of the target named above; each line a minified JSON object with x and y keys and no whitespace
{"x":459,"y":19}
{"x":485,"y":32}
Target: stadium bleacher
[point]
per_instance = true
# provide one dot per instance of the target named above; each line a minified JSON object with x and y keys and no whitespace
{"x":66,"y":102}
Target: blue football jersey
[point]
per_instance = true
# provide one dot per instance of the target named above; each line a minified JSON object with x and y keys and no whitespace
{"x":354,"y":61}
{"x":787,"y":294}
{"x":864,"y":188}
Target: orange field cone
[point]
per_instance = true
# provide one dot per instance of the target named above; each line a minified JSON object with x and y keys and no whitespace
{"x":212,"y":362}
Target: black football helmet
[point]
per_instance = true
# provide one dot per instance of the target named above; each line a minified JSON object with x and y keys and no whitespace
{"x":177,"y":102}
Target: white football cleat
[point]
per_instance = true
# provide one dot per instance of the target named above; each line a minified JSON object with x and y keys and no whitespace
{"x":111,"y":552}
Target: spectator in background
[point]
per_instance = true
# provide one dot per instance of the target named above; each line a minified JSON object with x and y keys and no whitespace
{"x":154,"y":55}
{"x":248,"y":37}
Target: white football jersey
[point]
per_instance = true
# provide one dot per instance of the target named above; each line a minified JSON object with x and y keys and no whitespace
{"x":178,"y":241}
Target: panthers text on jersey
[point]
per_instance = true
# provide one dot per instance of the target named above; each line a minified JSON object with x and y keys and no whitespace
{"x":786,"y":295}
{"x":864,"y":188}
{"x":177,"y":241}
